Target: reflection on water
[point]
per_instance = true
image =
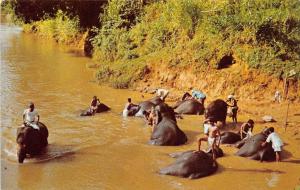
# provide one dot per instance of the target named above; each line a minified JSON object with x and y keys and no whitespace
{"x":100,"y":152}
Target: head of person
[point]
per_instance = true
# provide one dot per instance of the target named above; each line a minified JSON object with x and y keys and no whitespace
{"x":31,"y":106}
{"x":271,"y":129}
{"x":230,"y":97}
{"x":95,"y":98}
{"x":251,"y":122}
{"x":129,"y":100}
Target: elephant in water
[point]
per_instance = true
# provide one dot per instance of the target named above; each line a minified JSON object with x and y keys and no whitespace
{"x":191,"y":164}
{"x":229,"y":137}
{"x":166,"y":132}
{"x":100,"y":108}
{"x":217,"y":111}
{"x":251,"y":148}
{"x":143,"y":106}
{"x":189,"y":106}
{"x":31,"y":141}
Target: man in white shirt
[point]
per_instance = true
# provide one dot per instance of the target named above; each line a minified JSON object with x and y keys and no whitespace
{"x":276,"y":143}
{"x":31,"y":117}
{"x":162,"y":93}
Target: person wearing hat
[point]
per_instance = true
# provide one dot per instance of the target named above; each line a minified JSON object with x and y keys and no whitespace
{"x":246,"y":129}
{"x":233,"y":104}
{"x":31,"y":117}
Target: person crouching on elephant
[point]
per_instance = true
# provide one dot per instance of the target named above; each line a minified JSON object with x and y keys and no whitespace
{"x":233,"y":104}
{"x":246,"y":129}
{"x":198,"y":95}
{"x":162,"y":93}
{"x":213,"y":134}
{"x":94,"y":105}
{"x":31,"y":117}
{"x":276,"y":143}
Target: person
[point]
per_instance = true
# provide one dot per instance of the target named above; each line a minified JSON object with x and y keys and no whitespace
{"x":152,"y":118}
{"x":246,"y":129}
{"x":130,"y":108}
{"x":94,"y":105}
{"x":212,"y":132}
{"x":276,"y":143}
{"x":277,"y":96}
{"x":198,"y":95}
{"x":162,"y":93}
{"x":31,"y":117}
{"x":234,"y":108}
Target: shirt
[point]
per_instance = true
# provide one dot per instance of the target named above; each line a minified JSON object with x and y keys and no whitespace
{"x":275,"y":139}
{"x":198,"y":94}
{"x":161,"y":92}
{"x":30,"y":116}
{"x":206,"y":128}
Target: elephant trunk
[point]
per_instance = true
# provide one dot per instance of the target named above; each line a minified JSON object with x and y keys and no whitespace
{"x":21,"y":153}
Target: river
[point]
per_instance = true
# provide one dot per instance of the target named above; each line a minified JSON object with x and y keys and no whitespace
{"x":104,"y":151}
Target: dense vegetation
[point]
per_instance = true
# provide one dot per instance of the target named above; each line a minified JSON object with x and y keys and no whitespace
{"x":262,"y":34}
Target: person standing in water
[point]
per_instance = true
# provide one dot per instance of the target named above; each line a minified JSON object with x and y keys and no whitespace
{"x":246,"y":129}
{"x":234,"y":108}
{"x":276,"y":143}
{"x":31,"y":117}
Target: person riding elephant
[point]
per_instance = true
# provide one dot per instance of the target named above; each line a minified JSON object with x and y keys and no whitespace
{"x":252,"y":147}
{"x":198,"y":95}
{"x":217,"y":111}
{"x":95,"y":107}
{"x":31,"y":117}
{"x":130,"y":109}
{"x":31,"y":141}
{"x":166,"y":131}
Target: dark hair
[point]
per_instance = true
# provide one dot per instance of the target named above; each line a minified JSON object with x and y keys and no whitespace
{"x":271,"y":129}
{"x":31,"y":104}
{"x":250,"y":121}
{"x":95,"y":97}
{"x":129,"y":99}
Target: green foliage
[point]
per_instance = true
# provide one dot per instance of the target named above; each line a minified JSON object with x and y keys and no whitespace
{"x":62,"y":28}
{"x":261,"y":33}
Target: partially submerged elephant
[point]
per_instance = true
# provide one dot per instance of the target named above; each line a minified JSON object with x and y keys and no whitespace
{"x":251,"y":148}
{"x":217,"y":111}
{"x":229,"y":137}
{"x":143,"y":106}
{"x":31,"y":141}
{"x":167,"y":132}
{"x":100,"y":108}
{"x":191,"y":164}
{"x":190,"y":106}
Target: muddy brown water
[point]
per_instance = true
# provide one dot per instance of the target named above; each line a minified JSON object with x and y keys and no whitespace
{"x":105,"y":151}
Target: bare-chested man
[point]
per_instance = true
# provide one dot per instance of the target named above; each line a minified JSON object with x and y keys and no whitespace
{"x":211,"y":137}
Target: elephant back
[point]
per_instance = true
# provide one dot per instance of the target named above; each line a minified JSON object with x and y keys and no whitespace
{"x":217,"y":110}
{"x":189,"y":107}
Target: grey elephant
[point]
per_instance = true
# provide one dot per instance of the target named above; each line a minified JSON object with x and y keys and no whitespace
{"x":252,"y":149}
{"x":100,"y":108}
{"x":189,"y":106}
{"x":217,"y":111}
{"x":191,"y":164}
{"x":166,"y":132}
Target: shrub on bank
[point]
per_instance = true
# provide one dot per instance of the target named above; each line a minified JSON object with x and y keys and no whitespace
{"x":62,"y":28}
{"x":263,"y":34}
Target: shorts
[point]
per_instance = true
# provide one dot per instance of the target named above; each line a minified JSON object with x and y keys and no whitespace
{"x":277,"y":148}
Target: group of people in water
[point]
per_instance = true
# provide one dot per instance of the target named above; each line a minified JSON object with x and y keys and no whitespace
{"x":212,"y":134}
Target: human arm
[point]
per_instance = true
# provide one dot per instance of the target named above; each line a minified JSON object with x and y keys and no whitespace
{"x":219,"y":139}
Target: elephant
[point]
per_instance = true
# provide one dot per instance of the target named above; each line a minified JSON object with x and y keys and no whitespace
{"x":31,"y":141}
{"x":143,"y":106}
{"x":251,"y":148}
{"x":100,"y":108}
{"x":191,"y":164}
{"x":166,"y":132}
{"x":229,"y":137}
{"x":190,"y":106}
{"x":217,"y":111}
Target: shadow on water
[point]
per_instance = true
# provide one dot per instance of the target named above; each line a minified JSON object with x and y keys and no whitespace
{"x":221,"y":169}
